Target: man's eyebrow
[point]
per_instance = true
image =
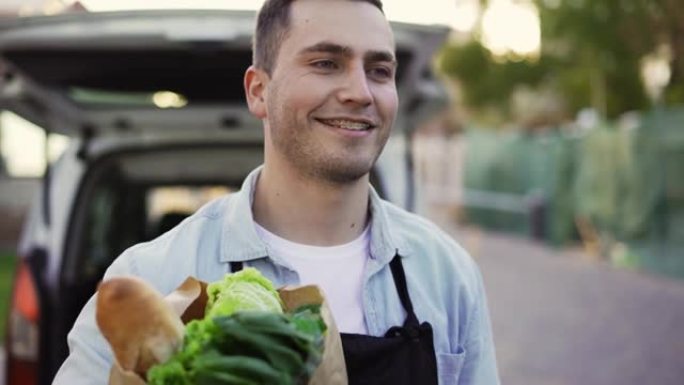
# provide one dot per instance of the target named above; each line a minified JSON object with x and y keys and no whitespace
{"x":380,"y":56}
{"x":337,"y":49}
{"x":325,"y":47}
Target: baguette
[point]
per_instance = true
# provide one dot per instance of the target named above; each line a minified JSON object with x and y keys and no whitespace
{"x":141,"y":328}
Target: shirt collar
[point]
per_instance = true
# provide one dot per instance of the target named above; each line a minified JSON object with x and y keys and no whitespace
{"x":240,"y":241}
{"x":384,"y":244}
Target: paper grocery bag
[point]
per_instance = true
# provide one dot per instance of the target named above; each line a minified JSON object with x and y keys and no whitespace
{"x":332,"y":370}
{"x":119,"y":376}
{"x":189,"y":301}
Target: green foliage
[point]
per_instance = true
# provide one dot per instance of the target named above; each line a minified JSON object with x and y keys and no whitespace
{"x":612,"y":36}
{"x":248,"y":347}
{"x":487,"y":81}
{"x":674,"y":94}
{"x":7,"y":266}
{"x":470,"y":62}
{"x":591,"y":56}
{"x":601,"y":45}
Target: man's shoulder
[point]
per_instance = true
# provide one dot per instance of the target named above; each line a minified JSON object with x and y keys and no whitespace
{"x":432,"y":246}
{"x":416,"y":228}
{"x":407,"y":218}
{"x":193,"y":228}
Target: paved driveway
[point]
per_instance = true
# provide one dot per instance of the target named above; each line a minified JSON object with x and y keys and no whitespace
{"x":560,"y":319}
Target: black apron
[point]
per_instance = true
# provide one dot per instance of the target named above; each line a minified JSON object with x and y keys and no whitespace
{"x":405,"y":355}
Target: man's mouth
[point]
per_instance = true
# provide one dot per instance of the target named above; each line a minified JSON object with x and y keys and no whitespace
{"x":347,"y":124}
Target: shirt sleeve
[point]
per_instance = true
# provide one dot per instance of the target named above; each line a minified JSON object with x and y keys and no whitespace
{"x":480,"y":360}
{"x":90,"y":357}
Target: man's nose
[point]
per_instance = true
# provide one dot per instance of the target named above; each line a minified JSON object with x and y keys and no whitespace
{"x":356,"y":88}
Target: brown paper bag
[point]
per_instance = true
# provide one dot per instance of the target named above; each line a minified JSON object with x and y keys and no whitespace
{"x":189,"y":301}
{"x":332,"y":370}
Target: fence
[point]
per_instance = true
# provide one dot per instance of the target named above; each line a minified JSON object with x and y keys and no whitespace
{"x":617,"y":188}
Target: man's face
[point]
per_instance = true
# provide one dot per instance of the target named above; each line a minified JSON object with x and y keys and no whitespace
{"x":331,"y":99}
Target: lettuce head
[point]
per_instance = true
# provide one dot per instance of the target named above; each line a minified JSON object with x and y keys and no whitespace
{"x":244,"y":290}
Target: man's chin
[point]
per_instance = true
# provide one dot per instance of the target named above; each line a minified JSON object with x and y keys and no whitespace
{"x":343,"y":174}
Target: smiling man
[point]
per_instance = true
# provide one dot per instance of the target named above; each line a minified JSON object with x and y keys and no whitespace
{"x":323,"y":85}
{"x":408,"y":300}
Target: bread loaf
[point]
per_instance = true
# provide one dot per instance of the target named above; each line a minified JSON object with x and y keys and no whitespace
{"x":141,"y":328}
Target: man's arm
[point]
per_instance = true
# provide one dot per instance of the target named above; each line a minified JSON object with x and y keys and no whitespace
{"x":480,"y":360}
{"x":90,"y":357}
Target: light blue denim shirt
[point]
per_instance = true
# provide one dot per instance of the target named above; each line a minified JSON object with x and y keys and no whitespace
{"x":444,"y":283}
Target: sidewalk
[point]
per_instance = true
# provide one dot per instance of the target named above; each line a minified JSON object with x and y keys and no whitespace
{"x":561,"y":319}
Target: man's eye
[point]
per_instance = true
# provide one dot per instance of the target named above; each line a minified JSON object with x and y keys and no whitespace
{"x":382,"y":73}
{"x":325,"y":64}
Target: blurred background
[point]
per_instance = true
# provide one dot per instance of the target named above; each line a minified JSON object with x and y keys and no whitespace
{"x":557,"y":163}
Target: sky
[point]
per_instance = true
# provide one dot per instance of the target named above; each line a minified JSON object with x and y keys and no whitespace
{"x":508,"y":25}
{"x":432,"y":11}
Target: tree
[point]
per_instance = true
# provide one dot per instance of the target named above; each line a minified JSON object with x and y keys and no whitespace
{"x":592,"y":52}
{"x":487,"y":83}
{"x":609,"y":38}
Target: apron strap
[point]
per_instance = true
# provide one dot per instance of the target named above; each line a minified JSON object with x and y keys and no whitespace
{"x":400,"y":283}
{"x":235,"y":267}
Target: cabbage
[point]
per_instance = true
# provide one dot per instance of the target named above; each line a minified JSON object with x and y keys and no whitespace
{"x":244,"y":290}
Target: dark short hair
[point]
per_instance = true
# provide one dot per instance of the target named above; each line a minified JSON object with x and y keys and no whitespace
{"x":273,"y":22}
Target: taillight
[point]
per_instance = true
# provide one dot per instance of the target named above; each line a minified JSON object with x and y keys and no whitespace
{"x":22,"y":330}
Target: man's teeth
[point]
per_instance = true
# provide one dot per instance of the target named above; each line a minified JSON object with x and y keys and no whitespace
{"x":347,"y":124}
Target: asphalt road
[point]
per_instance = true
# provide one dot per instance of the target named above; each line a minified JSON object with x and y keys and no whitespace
{"x":561,"y":319}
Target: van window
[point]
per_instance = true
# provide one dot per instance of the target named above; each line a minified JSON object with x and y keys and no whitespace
{"x":169,"y":205}
{"x":122,"y":214}
{"x":25,"y":149}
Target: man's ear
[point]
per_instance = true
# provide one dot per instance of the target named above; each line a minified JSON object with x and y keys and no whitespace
{"x":255,"y":89}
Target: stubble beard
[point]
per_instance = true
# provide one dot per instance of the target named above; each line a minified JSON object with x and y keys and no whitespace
{"x":312,"y":159}
{"x":298,"y":145}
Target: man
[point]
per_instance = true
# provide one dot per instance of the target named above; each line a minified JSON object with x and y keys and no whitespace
{"x":407,"y":298}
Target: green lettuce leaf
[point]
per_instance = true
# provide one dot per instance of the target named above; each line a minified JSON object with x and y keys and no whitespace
{"x":244,"y":290}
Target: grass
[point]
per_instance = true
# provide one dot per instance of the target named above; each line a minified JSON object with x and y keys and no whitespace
{"x":7,"y":265}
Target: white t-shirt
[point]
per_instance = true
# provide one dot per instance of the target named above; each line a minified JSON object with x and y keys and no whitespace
{"x":338,"y":270}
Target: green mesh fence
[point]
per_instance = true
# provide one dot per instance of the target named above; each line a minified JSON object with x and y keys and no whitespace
{"x":625,"y":184}
{"x":654,"y":225}
{"x":525,"y":166}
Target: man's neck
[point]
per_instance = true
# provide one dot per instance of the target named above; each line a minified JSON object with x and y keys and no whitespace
{"x":307,"y":211}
